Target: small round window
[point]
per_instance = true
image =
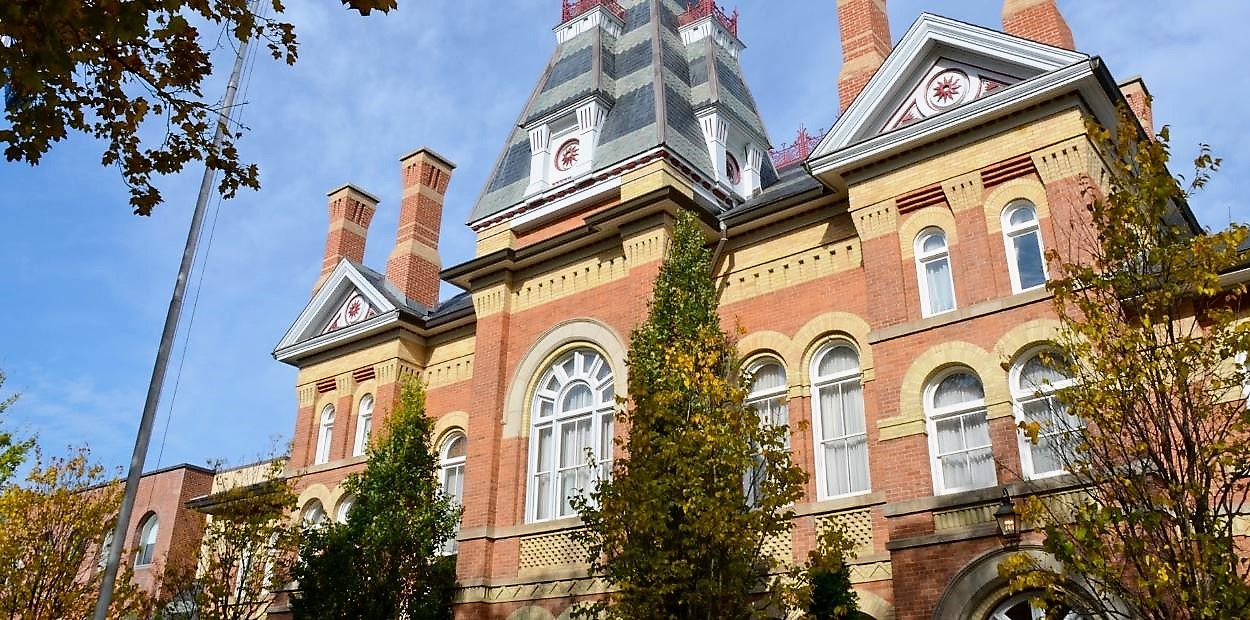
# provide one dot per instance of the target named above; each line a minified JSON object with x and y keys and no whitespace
{"x":568,"y":155}
{"x":732,"y":169}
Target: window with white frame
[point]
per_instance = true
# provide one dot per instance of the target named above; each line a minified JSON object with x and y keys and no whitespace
{"x":1023,"y":238}
{"x":325,"y":434}
{"x":933,"y":270}
{"x":838,"y":415}
{"x":364,"y":425}
{"x":1034,"y":383}
{"x":344,"y":509}
{"x":768,"y":398}
{"x":148,"y":532}
{"x":570,"y":422}
{"x":313,"y":514}
{"x":451,"y":475}
{"x":959,"y":433}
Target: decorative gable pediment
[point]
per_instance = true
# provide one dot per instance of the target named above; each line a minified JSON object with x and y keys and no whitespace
{"x":941,"y":65}
{"x":945,"y":85}
{"x":347,"y":305}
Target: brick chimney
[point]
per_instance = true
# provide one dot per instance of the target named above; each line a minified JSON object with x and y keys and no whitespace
{"x":1037,"y":20}
{"x":1138,"y":98}
{"x":865,"y":33}
{"x":351,"y":210}
{"x":413,"y":266}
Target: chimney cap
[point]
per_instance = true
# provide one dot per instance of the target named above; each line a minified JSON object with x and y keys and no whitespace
{"x":1138,"y":79}
{"x":352,"y":188}
{"x":432,"y":153}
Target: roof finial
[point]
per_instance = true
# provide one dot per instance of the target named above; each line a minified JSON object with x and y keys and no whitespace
{"x":698,"y":9}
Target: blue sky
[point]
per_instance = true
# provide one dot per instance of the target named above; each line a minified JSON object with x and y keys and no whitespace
{"x":88,"y":283}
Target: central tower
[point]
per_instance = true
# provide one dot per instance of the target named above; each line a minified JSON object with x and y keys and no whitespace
{"x":632,"y":81}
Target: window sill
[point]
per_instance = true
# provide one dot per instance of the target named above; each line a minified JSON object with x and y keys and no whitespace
{"x":839,"y":504}
{"x":957,"y":315}
{"x":526,"y":529}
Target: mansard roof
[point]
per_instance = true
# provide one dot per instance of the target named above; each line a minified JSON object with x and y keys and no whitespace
{"x":653,"y":85}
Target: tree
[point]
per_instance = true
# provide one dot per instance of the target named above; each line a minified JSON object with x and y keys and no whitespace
{"x":385,"y":562}
{"x":50,"y":542}
{"x":120,"y":71}
{"x":822,"y":587}
{"x":248,"y":547}
{"x":672,"y":529}
{"x":12,"y":452}
{"x":1154,"y":426}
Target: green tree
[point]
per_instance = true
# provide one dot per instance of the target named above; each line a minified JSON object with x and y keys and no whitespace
{"x":672,"y":529}
{"x":12,"y":451}
{"x":248,"y":548}
{"x":385,"y":561}
{"x":121,"y":71}
{"x":51,"y":532}
{"x":1151,"y":331}
{"x":827,"y":578}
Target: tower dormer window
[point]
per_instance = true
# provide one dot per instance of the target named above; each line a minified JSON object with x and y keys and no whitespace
{"x":732,"y":169}
{"x":562,"y":145}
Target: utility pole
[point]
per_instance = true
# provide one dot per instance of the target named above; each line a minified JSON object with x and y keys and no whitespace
{"x":167,"y":342}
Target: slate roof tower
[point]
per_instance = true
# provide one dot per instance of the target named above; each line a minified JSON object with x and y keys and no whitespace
{"x":627,"y":80}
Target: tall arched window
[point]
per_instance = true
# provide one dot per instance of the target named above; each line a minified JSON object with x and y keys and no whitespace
{"x":147,"y":540}
{"x":1024,"y":246}
{"x":571,"y":414}
{"x":325,"y":434}
{"x":959,"y":433}
{"x":840,"y":430}
{"x":768,"y":398}
{"x":933,"y":269}
{"x":364,"y":425}
{"x":451,"y":474}
{"x":1034,"y":382}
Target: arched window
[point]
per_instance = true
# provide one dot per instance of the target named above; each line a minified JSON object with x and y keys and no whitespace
{"x":839,"y":427}
{"x":451,"y":476}
{"x":147,"y":540}
{"x":364,"y":425}
{"x":1024,"y":246}
{"x":1034,"y":382}
{"x":345,"y":508}
{"x":313,"y":514}
{"x":768,"y":398}
{"x":933,"y":269}
{"x":959,"y":433}
{"x":325,"y":434}
{"x":571,"y":414}
{"x":1019,"y":607}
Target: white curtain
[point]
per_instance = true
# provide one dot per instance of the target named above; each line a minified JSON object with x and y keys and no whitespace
{"x":844,"y":438}
{"x":940,"y":286}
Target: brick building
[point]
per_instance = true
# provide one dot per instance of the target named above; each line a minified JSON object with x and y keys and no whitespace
{"x":888,"y":275}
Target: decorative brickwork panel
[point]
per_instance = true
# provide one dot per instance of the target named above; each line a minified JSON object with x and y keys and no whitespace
{"x":964,"y":517}
{"x":856,"y":526}
{"x":554,"y":550}
{"x":779,"y":548}
{"x":874,"y":571}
